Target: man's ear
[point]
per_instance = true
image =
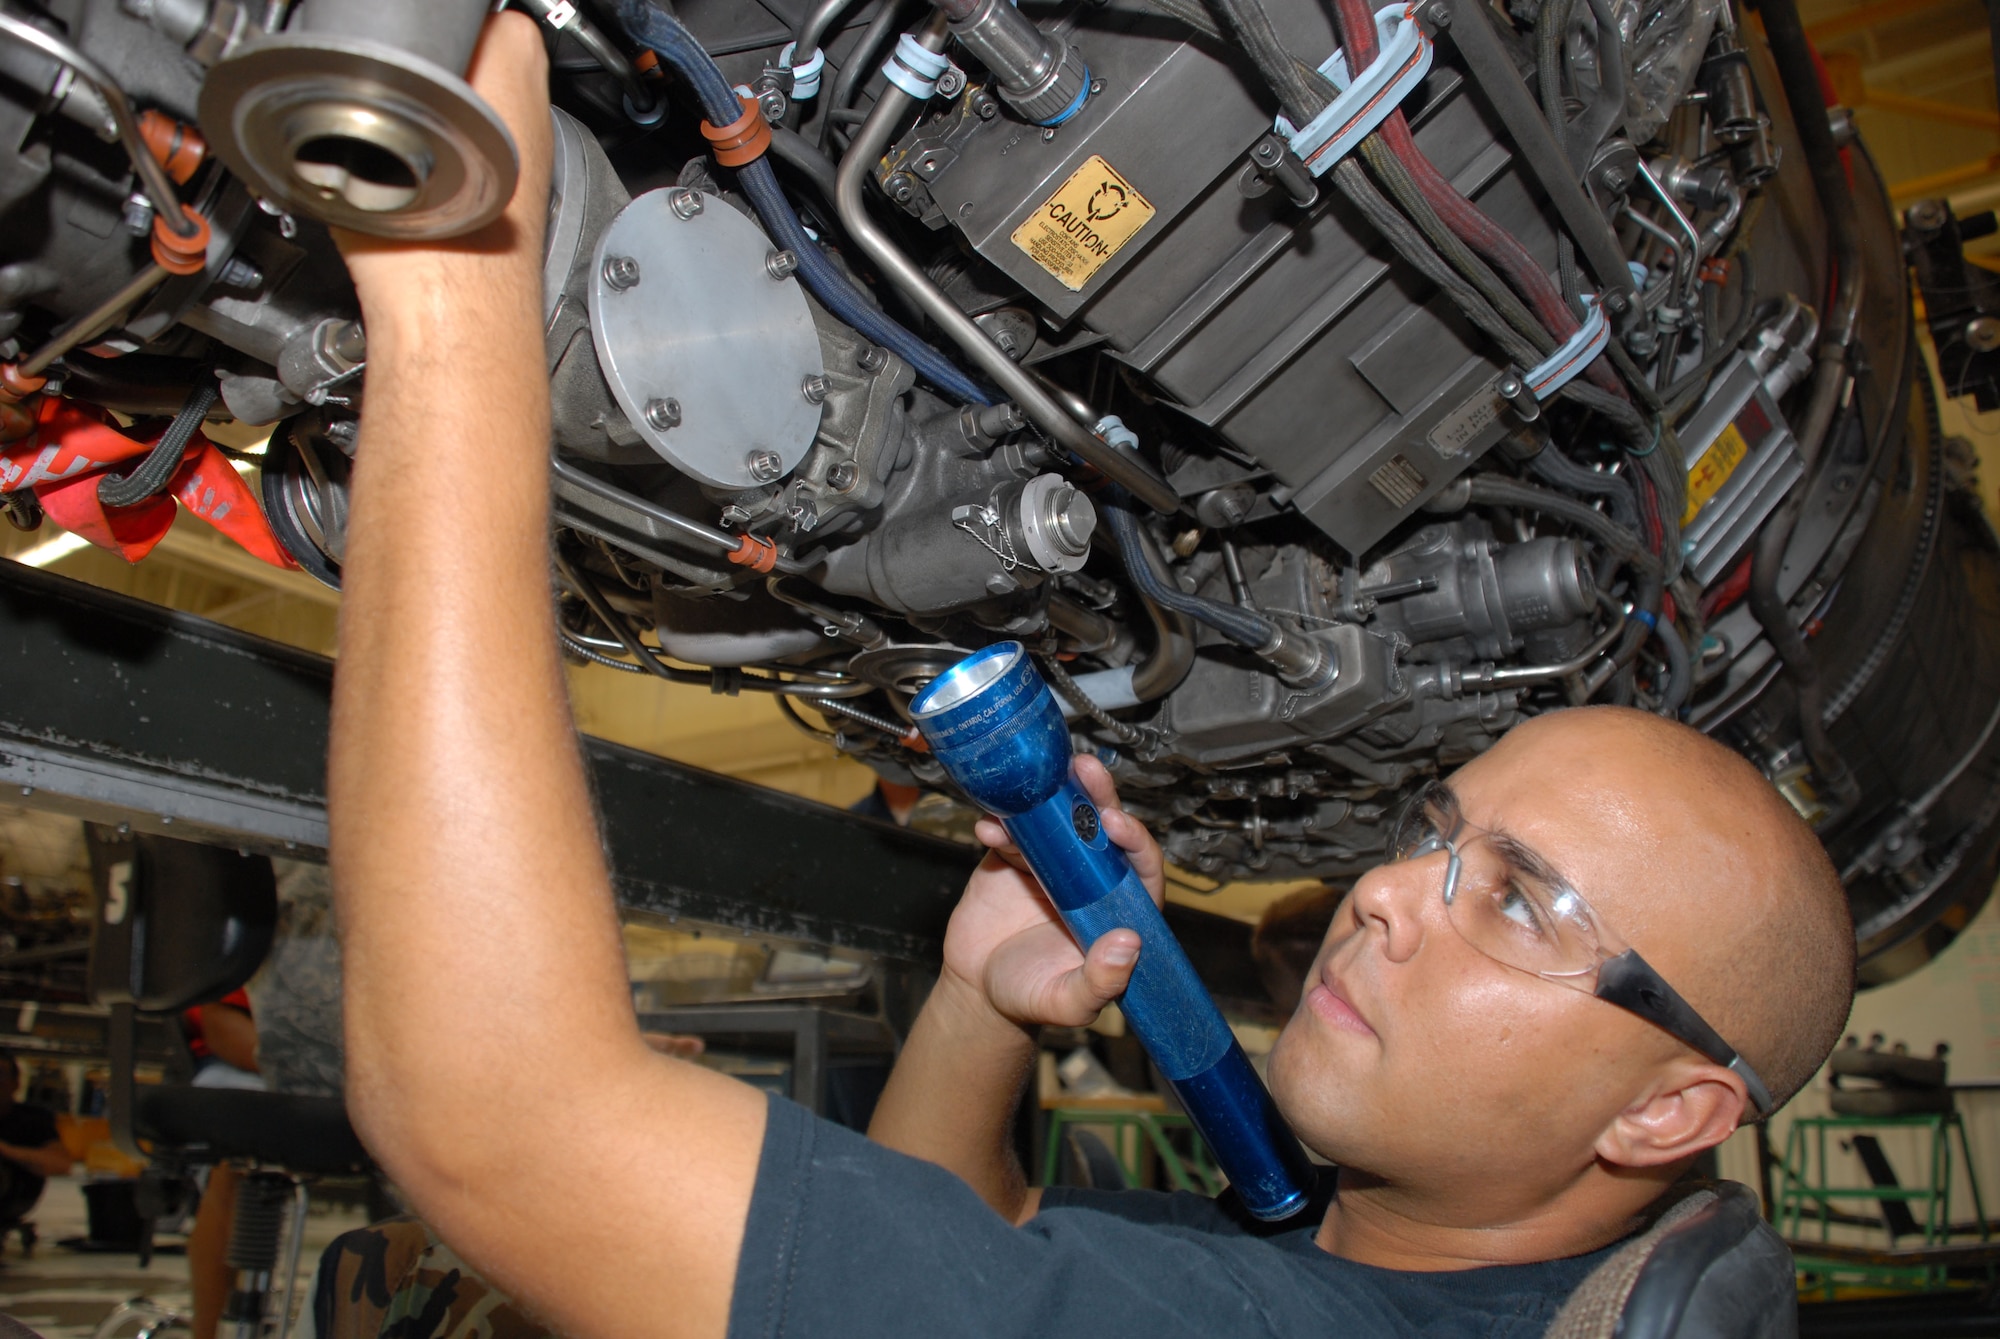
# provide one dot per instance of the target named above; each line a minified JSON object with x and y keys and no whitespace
{"x":1692,"y":1106}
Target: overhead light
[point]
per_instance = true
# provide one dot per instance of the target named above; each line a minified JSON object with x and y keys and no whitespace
{"x":49,"y":550}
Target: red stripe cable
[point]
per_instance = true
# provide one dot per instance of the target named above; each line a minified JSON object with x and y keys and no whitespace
{"x":1493,"y":243}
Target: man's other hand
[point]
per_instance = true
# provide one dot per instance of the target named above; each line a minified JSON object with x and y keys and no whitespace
{"x":1008,"y":945}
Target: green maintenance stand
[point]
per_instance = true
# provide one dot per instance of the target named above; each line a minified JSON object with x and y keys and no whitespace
{"x":1151,"y":1125}
{"x":1805,"y":1195}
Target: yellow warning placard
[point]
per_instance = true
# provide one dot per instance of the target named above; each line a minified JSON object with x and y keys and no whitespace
{"x":1708,"y":474}
{"x":1084,"y":224}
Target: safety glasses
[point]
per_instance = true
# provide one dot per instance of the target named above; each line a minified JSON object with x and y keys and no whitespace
{"x":1509,"y":904}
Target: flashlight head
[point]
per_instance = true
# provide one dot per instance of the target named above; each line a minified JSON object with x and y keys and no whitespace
{"x":997,"y":729}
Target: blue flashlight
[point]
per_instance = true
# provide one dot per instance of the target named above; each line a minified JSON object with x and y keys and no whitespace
{"x":995,"y":727}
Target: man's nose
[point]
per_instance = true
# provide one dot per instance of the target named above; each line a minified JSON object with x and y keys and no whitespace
{"x":1390,"y":900}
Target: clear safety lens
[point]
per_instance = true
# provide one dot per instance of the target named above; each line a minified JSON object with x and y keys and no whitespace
{"x":1499,"y":901}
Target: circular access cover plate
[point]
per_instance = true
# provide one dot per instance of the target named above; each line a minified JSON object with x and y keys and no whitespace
{"x":706,"y":327}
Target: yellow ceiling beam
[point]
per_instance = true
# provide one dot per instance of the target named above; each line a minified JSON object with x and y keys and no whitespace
{"x":1864,"y":17}
{"x":1937,"y":183}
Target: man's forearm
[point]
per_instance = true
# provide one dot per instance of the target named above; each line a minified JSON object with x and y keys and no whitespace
{"x":486,"y":1007}
{"x":952,"y":1096}
{"x":51,"y":1161}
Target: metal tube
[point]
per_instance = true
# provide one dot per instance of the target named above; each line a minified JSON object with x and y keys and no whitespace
{"x":94,"y":321}
{"x":593,"y":41}
{"x":814,"y":29}
{"x":152,"y":177}
{"x":1019,"y":385}
{"x":1491,"y":677}
{"x":707,"y":536}
{"x":1680,"y":219}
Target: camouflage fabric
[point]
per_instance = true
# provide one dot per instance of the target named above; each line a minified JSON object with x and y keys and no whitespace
{"x":396,"y":1280}
{"x":295,"y":995}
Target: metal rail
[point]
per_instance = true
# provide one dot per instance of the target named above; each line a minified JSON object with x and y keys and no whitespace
{"x":123,"y":712}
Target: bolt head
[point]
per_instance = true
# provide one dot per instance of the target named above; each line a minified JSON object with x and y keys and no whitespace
{"x":872,"y":359}
{"x":901,"y":189}
{"x":620,"y":273}
{"x":138,"y":218}
{"x":1096,"y":87}
{"x":1048,"y":133}
{"x":684,"y":202}
{"x":951,"y":83}
{"x":774,"y":103}
{"x":1927,"y":214}
{"x":781,"y":264}
{"x":1614,"y":178}
{"x":663,"y":414}
{"x":764,"y":466}
{"x":1983,"y":334}
{"x":843,"y":476}
{"x":984,"y":106}
{"x":1510,"y":387}
{"x":815,"y":389}
{"x":1439,"y":14}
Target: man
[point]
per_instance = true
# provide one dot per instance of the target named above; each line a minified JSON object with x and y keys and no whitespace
{"x":1494,"y":1126}
{"x":30,"y":1152}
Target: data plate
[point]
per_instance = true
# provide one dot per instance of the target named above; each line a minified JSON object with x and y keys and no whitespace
{"x":706,"y":327}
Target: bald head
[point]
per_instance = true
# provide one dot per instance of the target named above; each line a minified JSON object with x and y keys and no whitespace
{"x":1730,"y":896}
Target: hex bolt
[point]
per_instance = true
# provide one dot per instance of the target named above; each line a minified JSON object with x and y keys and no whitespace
{"x":774,"y":104}
{"x":951,"y":82}
{"x":764,"y":466}
{"x":983,"y":105}
{"x":815,"y":389}
{"x":620,"y":273}
{"x":664,"y":414}
{"x":843,"y":476}
{"x":872,"y":359}
{"x":781,"y":264}
{"x":684,"y":202}
{"x":1439,"y":14}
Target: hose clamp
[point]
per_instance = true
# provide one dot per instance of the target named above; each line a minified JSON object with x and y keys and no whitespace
{"x":1576,"y":353}
{"x":805,"y":73}
{"x":913,"y":68}
{"x":1365,"y":101}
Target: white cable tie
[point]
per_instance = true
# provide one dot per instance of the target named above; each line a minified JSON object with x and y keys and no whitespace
{"x":1577,"y":352}
{"x":914,"y":69}
{"x":1365,"y":101}
{"x":560,"y":13}
{"x":805,"y":74}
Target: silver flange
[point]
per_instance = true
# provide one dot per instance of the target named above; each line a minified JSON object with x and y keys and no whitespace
{"x":359,"y":135}
{"x":704,"y":325}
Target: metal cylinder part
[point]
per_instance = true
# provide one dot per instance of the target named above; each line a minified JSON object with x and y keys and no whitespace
{"x":1041,"y":77}
{"x":356,"y":115}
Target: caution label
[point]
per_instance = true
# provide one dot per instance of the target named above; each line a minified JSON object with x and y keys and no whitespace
{"x":1714,"y":467}
{"x":1084,"y":224}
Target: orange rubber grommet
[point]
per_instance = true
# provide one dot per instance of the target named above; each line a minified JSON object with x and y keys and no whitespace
{"x":178,"y":146}
{"x":743,"y":140}
{"x":1714,"y":272}
{"x":15,"y":387}
{"x":648,"y":62}
{"x":759,"y":555}
{"x":181,"y":255}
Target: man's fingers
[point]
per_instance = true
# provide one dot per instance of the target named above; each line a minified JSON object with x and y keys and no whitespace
{"x":1095,"y":779}
{"x":1106,"y":971}
{"x":990,"y":831}
{"x":1130,"y":835}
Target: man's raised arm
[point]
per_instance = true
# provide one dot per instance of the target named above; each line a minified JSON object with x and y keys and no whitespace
{"x":494,"y":1064}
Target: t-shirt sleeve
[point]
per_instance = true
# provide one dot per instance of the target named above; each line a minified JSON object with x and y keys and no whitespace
{"x":846,"y":1237}
{"x":33,"y":1126}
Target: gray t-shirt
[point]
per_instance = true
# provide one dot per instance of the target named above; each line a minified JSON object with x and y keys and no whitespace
{"x":846,"y":1237}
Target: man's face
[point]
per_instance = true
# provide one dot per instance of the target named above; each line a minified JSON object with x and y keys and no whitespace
{"x":1416,"y":1058}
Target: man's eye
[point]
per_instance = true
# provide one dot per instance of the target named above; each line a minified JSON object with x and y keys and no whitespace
{"x":1518,"y":907}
